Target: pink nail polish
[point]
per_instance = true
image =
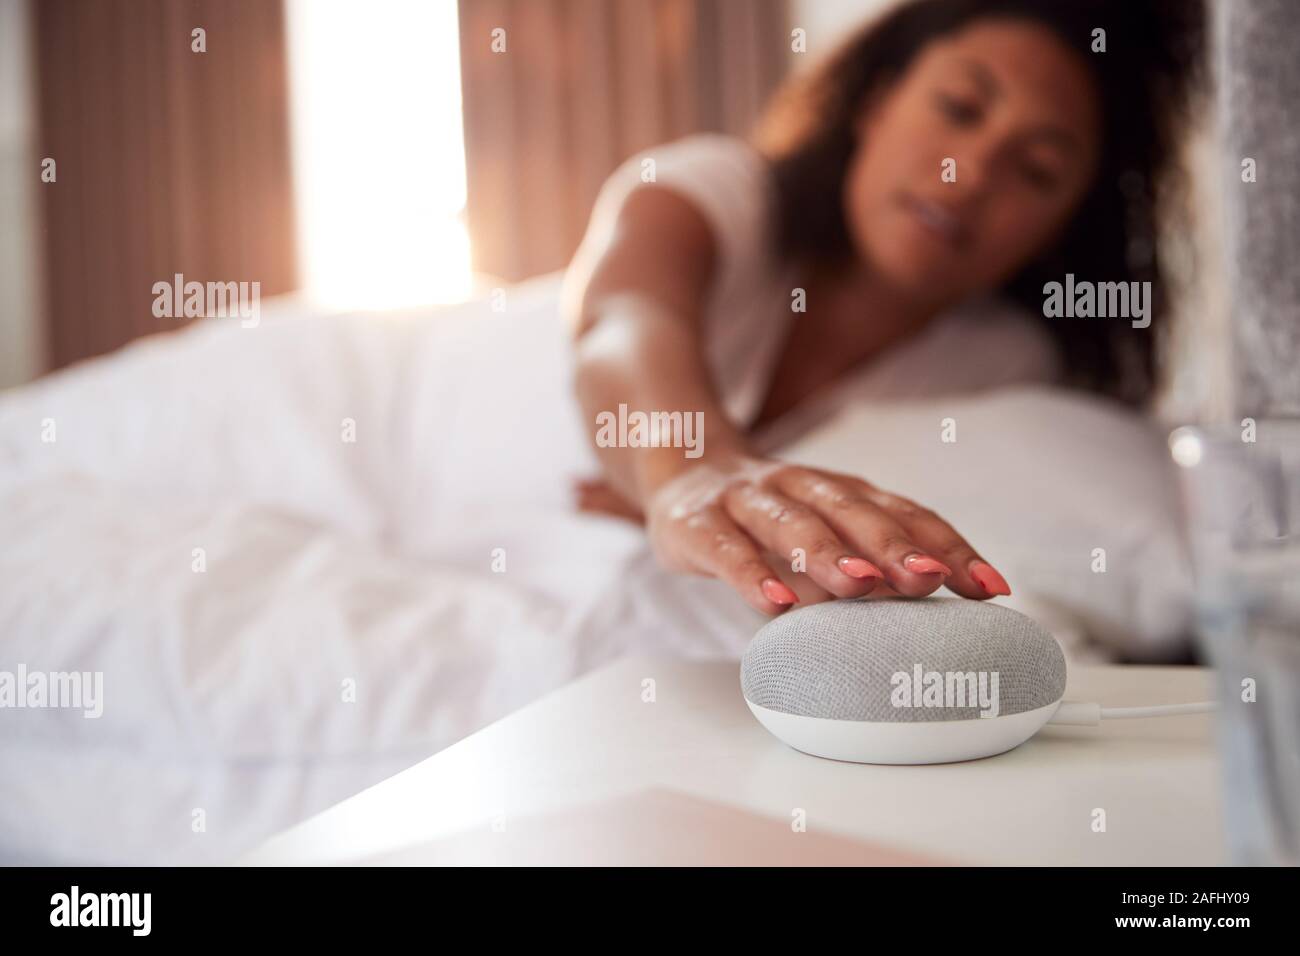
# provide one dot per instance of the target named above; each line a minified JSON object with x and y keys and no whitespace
{"x":924,"y":564}
{"x":988,"y":578}
{"x":859,"y":568}
{"x":778,"y":593}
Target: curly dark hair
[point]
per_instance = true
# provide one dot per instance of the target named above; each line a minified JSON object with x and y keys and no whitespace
{"x":1144,"y":82}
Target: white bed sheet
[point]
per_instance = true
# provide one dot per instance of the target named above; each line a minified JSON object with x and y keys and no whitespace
{"x":326,"y":562}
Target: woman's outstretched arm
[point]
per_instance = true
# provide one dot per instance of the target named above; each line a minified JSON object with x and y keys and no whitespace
{"x":635,"y":298}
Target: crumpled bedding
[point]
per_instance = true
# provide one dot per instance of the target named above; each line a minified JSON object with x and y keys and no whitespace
{"x":283,"y":616}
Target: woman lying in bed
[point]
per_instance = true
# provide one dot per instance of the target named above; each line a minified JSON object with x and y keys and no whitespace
{"x":938,"y":171}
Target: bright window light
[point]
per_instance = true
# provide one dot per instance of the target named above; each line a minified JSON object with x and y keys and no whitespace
{"x":379,"y":152}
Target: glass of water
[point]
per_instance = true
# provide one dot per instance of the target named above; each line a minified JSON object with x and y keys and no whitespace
{"x":1241,"y":495}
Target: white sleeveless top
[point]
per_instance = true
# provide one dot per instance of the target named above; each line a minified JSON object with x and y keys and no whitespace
{"x":981,"y":345}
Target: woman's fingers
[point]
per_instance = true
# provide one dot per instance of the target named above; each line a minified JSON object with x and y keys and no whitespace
{"x":805,"y":588}
{"x":855,"y":539}
{"x":786,"y":527}
{"x":908,"y":566}
{"x":972,"y":576}
{"x":716,"y":546}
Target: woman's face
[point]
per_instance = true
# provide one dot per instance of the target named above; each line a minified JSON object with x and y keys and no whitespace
{"x":973,"y":161}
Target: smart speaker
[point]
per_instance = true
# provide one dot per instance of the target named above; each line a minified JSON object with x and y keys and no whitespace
{"x":899,"y":681}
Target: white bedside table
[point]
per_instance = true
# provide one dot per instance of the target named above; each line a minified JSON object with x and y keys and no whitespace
{"x":594,"y":773}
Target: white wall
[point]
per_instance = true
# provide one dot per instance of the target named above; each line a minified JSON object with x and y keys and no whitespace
{"x":21,"y":342}
{"x":827,"y":21}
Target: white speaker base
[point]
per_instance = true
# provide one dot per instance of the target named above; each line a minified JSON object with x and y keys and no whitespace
{"x":936,"y":741}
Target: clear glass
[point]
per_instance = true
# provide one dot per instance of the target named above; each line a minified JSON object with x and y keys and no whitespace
{"x":1241,"y":496}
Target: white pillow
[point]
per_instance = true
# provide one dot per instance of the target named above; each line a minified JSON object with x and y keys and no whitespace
{"x":1045,"y":484}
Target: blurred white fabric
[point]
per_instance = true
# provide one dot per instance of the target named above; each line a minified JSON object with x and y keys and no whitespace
{"x":329,"y":565}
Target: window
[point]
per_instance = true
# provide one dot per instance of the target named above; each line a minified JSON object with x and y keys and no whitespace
{"x":379,"y":155}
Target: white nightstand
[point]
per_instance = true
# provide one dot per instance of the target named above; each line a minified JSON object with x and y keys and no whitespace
{"x":596,"y":772}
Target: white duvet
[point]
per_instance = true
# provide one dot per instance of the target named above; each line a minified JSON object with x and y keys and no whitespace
{"x":360,"y":605}
{"x":282,"y":617}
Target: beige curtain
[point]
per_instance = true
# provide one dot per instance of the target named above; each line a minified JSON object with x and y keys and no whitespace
{"x":167,"y":160}
{"x":582,"y":85}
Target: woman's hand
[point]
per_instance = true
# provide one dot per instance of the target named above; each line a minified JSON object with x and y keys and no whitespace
{"x":724,"y":520}
{"x":597,"y":496}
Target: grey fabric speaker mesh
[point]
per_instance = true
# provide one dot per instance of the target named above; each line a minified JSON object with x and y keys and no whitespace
{"x":838,"y":659}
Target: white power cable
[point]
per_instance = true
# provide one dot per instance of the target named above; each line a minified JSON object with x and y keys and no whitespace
{"x":1085,"y":714}
{"x":1161,"y":710}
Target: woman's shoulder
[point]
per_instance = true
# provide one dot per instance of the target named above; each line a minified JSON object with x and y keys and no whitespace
{"x":695,"y":161}
{"x":725,"y":178}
